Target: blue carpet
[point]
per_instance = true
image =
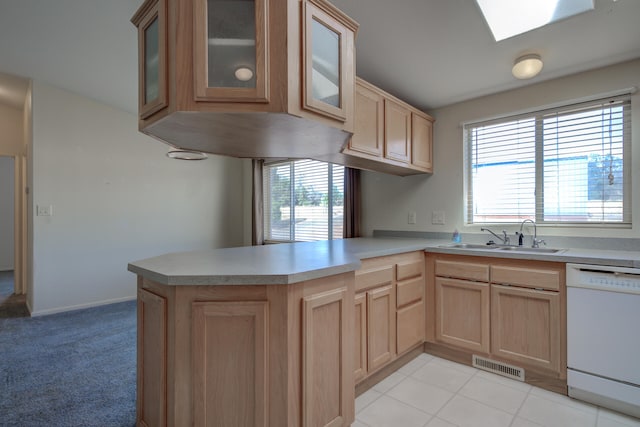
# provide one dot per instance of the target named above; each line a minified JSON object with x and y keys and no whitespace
{"x":70,"y":369}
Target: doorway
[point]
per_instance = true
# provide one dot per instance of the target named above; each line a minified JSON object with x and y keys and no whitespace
{"x":7,"y":220}
{"x":12,"y":298}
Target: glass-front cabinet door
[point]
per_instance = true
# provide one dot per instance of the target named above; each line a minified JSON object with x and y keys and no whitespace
{"x":152,"y":48}
{"x":230,"y":45}
{"x":327,"y":62}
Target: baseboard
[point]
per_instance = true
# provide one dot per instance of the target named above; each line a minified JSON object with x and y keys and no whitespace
{"x":79,"y":306}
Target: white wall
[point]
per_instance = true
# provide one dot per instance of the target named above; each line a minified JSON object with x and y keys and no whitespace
{"x":6,"y":213}
{"x":116,"y":198}
{"x":387,"y":199}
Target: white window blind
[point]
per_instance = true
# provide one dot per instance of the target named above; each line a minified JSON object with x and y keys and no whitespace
{"x":563,"y":165}
{"x":303,"y":201}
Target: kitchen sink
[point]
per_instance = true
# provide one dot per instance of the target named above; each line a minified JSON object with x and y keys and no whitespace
{"x":531,"y":250}
{"x":469,"y":246}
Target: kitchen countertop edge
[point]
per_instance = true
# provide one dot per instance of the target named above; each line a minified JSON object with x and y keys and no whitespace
{"x":298,"y":262}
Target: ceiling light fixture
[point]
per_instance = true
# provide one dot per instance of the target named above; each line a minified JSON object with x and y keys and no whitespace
{"x":186,"y":155}
{"x":527,"y":66}
{"x":243,"y":74}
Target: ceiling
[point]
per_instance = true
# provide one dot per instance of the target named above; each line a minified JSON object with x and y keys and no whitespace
{"x":430,"y":53}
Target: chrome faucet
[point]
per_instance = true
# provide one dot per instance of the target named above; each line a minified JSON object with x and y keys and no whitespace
{"x":536,"y":242}
{"x":505,"y":239}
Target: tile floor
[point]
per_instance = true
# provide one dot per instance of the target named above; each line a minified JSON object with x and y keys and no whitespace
{"x":433,"y":392}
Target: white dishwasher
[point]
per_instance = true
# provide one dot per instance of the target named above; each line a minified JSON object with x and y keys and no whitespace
{"x":603,"y":336}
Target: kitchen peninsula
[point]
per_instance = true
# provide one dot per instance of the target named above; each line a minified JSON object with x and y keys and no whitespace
{"x":269,"y":335}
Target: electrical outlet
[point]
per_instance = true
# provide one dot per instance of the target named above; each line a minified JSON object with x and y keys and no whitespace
{"x":412,"y":217}
{"x":437,"y":217}
{"x":44,"y":210}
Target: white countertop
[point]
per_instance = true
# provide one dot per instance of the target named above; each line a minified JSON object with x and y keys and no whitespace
{"x":297,"y":262}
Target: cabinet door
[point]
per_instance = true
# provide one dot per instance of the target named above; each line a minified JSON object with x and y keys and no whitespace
{"x":381,"y":326}
{"x":152,"y":359}
{"x":369,"y":123}
{"x":360,"y":335}
{"x":397,"y":120}
{"x":462,"y":314}
{"x":324,"y":359}
{"x":152,"y":54}
{"x":410,"y":323}
{"x":525,"y":326}
{"x":230,"y":363}
{"x":421,"y":142}
{"x":230,"y":45}
{"x":329,"y":73}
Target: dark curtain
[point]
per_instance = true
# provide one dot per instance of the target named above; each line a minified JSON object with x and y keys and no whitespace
{"x":352,"y":205}
{"x":257,"y":205}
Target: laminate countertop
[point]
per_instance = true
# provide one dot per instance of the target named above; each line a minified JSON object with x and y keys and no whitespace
{"x":296,"y":262}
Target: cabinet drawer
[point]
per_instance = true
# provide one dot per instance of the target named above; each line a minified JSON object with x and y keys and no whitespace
{"x":366,"y":279}
{"x":527,"y":277}
{"x":410,"y":323}
{"x":409,"y":291}
{"x":408,"y":270}
{"x":462,"y":270}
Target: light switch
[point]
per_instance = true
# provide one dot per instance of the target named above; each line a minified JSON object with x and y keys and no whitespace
{"x":412,"y":217}
{"x":437,"y":217}
{"x":44,"y":210}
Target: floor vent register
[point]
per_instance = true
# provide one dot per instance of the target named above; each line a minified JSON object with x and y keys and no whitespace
{"x":499,"y":368}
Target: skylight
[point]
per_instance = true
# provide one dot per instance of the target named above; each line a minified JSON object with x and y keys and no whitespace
{"x":508,"y":18}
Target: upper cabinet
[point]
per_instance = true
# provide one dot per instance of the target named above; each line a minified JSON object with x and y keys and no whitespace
{"x":209,"y":70}
{"x":152,"y":89}
{"x":230,"y":50}
{"x":389,"y":135}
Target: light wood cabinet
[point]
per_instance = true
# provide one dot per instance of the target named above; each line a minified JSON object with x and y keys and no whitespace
{"x":389,"y":135}
{"x":410,"y":326}
{"x":151,"y":21}
{"x":257,"y":78}
{"x":368,"y":133}
{"x":510,"y":310}
{"x":421,"y":142}
{"x":246,"y":355}
{"x":389,"y":310}
{"x":230,"y":390}
{"x":381,"y":326}
{"x":525,"y":326}
{"x":397,"y":131}
{"x":410,"y":303}
{"x":325,"y":360}
{"x":360,"y":337}
{"x":462,"y":314}
{"x":151,"y":405}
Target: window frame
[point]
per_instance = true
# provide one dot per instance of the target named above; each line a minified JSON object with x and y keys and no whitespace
{"x":539,"y":115}
{"x":292,"y":188}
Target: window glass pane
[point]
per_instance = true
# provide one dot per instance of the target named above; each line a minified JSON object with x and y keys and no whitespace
{"x":583,"y":168}
{"x":277,"y":202}
{"x":503,"y":170}
{"x":338,"y":202}
{"x":563,"y":165}
{"x":232,"y":43}
{"x":318,"y":191}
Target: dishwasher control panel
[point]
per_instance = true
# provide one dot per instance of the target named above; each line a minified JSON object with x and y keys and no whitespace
{"x":606,"y":278}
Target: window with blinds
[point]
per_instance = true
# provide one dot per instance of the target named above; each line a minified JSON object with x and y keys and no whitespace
{"x":303,"y":201}
{"x":562,"y":165}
